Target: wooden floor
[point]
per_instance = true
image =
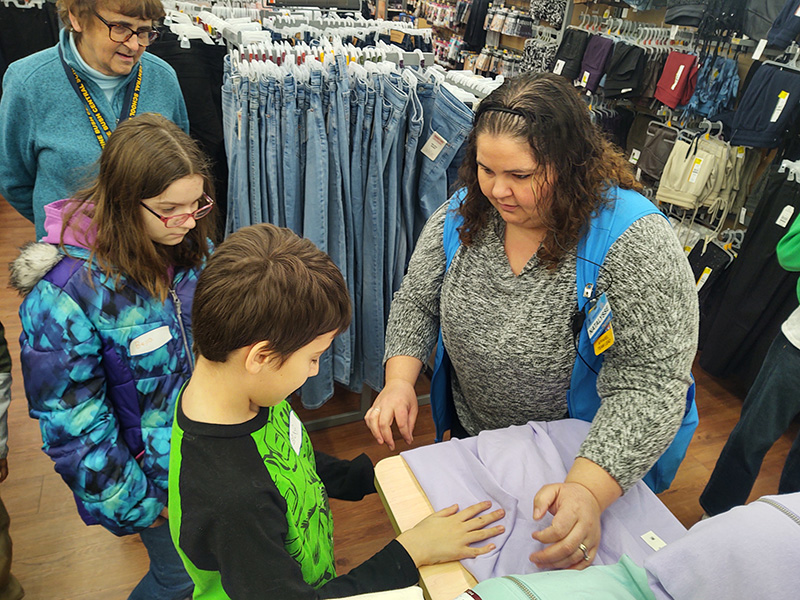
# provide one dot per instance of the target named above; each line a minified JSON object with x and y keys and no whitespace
{"x":56,"y":557}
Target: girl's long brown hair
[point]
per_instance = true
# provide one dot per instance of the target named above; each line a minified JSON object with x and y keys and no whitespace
{"x":580,"y":162}
{"x":142,"y":158}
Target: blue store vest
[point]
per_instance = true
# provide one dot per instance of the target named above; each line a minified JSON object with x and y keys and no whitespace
{"x":582,"y":398}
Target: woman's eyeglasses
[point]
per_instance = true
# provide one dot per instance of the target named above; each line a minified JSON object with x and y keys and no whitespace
{"x":178,"y":220}
{"x":121,"y":33}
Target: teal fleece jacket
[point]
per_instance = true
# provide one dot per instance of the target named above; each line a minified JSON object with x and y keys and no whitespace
{"x":47,"y":147}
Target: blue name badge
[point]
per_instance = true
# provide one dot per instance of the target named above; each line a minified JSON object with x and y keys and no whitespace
{"x":598,"y":317}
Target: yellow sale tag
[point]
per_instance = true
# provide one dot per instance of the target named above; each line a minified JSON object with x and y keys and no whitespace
{"x":605,"y":341}
{"x":396,"y":36}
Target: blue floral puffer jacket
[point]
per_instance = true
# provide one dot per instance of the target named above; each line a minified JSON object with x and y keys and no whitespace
{"x":102,"y":371}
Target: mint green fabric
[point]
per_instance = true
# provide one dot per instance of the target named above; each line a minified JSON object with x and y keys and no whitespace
{"x":624,"y":580}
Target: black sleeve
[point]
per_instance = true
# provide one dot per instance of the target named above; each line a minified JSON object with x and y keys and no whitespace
{"x":346,"y":479}
{"x":234,"y":522}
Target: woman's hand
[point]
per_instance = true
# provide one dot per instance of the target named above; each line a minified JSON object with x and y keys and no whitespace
{"x":576,"y":506}
{"x":446,"y":535}
{"x":576,"y":521}
{"x":397,"y":402}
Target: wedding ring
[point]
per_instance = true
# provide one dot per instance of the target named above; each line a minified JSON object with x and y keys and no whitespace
{"x":376,"y":409}
{"x":582,"y":548}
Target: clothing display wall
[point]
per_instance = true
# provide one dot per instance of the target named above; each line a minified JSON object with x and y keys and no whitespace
{"x":24,"y":31}
{"x":353,"y":158}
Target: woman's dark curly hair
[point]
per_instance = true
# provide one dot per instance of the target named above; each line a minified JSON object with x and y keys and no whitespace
{"x":544,"y":110}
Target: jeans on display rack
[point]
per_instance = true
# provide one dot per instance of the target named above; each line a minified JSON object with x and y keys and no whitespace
{"x":334,"y":152}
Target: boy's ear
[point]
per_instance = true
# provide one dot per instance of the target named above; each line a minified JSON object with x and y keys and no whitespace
{"x":258,"y":357}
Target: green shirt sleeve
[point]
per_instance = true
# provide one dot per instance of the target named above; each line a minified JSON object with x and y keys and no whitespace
{"x":789,"y":248}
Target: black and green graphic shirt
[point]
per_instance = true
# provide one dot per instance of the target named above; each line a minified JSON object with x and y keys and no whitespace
{"x":250,"y":517}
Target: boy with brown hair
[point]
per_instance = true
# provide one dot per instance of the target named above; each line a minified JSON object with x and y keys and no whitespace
{"x":248,"y":503}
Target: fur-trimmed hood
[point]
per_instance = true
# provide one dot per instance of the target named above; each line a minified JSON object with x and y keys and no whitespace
{"x":37,"y":258}
{"x":34,"y":262}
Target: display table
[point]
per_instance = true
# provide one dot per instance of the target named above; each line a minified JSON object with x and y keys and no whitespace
{"x":406,"y":505}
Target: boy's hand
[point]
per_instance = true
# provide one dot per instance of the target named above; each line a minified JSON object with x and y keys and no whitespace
{"x":446,"y":535}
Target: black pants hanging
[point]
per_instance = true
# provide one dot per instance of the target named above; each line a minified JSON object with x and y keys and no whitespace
{"x":757,"y":295}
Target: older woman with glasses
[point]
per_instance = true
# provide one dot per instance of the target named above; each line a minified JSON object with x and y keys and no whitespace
{"x":107,"y":342}
{"x":60,"y":105}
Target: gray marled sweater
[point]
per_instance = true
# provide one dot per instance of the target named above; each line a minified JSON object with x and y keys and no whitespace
{"x":510,"y":340}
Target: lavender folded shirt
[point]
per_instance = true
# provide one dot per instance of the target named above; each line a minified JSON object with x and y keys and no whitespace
{"x":508,"y":466}
{"x":749,"y":551}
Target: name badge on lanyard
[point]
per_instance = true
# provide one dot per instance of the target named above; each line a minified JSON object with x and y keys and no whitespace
{"x":99,"y":125}
{"x":599,"y":328}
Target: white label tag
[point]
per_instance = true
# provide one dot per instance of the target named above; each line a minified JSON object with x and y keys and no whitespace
{"x":678,"y":76}
{"x":704,"y":277}
{"x":239,"y":124}
{"x":295,"y":432}
{"x":742,"y":215}
{"x":559,"y":67}
{"x":434,"y":146}
{"x":797,"y":12}
{"x":652,"y":540}
{"x":782,"y":98}
{"x":626,"y":90}
{"x":673,"y":32}
{"x":786,"y":215}
{"x":635,"y":154}
{"x":152,"y":340}
{"x":698,"y":163}
{"x":638,"y":174}
{"x":759,"y":49}
{"x":624,"y":13}
{"x":585,"y":78}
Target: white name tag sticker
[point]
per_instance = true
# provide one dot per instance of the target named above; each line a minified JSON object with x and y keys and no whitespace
{"x":652,"y":540}
{"x":433,"y":146}
{"x":295,"y":432}
{"x":785,"y":216}
{"x":152,"y":340}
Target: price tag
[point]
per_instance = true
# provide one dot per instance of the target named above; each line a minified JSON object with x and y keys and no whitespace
{"x":759,"y":49}
{"x":585,"y":78}
{"x":696,"y":166}
{"x":624,"y":13}
{"x":742,"y":215}
{"x":635,"y":154}
{"x":703,"y":278}
{"x":785,"y":216}
{"x":607,"y":13}
{"x":673,"y":32}
{"x":678,"y":76}
{"x":783,"y":97}
{"x":434,"y":146}
{"x":559,"y":67}
{"x":652,"y":540}
{"x":638,"y":174}
{"x":396,"y":36}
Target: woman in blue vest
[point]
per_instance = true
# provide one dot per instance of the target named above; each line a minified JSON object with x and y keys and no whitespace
{"x":555,"y":290}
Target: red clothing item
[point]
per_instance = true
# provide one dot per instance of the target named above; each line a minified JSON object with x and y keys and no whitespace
{"x":678,"y":79}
